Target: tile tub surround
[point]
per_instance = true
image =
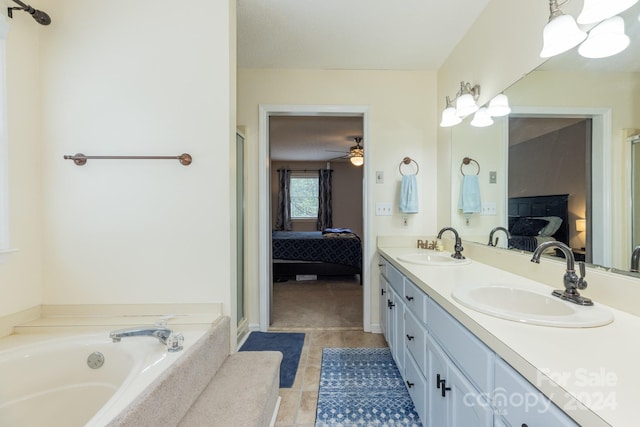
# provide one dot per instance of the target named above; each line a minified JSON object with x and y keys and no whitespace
{"x":573,"y":367}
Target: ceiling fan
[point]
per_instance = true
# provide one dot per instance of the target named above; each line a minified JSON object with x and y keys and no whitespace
{"x":355,"y":154}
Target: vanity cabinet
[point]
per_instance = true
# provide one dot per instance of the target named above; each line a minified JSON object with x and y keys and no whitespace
{"x":518,"y":403}
{"x":453,"y":378}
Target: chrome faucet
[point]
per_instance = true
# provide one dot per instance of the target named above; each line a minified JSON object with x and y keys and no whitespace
{"x":458,"y":246}
{"x":571,"y":280}
{"x":635,"y":260}
{"x":496,"y":229}
{"x":172,"y":341}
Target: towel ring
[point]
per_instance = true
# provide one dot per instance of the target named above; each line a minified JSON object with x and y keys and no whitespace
{"x":466,"y":161}
{"x":408,"y":161}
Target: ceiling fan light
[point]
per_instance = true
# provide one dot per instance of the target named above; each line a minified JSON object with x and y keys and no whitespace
{"x":560,"y":34}
{"x":465,"y":105}
{"x":606,"y":39}
{"x":597,"y":10}
{"x":357,"y":160}
{"x":499,"y":106}
{"x":450,"y":118}
{"x":482,"y":118}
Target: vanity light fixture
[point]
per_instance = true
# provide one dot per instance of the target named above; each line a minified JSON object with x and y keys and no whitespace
{"x":598,"y":10}
{"x":606,"y":39}
{"x":466,"y":99}
{"x":561,"y":32}
{"x":482,"y":118}
{"x":499,"y":106}
{"x":449,"y":116}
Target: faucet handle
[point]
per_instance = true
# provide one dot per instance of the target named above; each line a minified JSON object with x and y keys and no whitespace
{"x":582,"y":284}
{"x":175,"y":342}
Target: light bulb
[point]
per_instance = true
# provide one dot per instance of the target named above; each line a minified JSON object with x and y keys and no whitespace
{"x":606,"y":39}
{"x":482,"y":118}
{"x":560,"y":34}
{"x":598,"y":10}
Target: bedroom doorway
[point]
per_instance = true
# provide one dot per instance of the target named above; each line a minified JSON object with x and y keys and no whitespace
{"x":300,"y":293}
{"x":560,"y":151}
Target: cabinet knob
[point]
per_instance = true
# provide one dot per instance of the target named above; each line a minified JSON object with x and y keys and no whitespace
{"x":408,"y":298}
{"x":410,"y":337}
{"x":410,"y":384}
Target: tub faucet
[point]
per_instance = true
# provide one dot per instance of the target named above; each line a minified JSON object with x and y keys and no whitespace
{"x":458,"y":246}
{"x":635,"y":260}
{"x":571,"y":280}
{"x":172,"y":341}
{"x":496,"y":229}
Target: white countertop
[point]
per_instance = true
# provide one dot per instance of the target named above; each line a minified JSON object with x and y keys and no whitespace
{"x":590,"y":373}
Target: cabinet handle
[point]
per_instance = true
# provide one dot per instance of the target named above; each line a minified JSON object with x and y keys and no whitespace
{"x":408,"y":298}
{"x":380,"y":265}
{"x":390,"y":304}
{"x":524,"y":425}
{"x":382,"y":292}
{"x":438,"y":380}
{"x":409,"y":337}
{"x":410,"y":384}
{"x":445,"y":389}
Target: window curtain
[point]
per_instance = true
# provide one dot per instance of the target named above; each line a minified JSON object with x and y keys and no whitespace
{"x":325,"y":211}
{"x":283,"y":220}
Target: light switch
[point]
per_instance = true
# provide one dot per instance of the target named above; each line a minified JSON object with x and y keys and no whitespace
{"x":384,"y":209}
{"x":379,"y":177}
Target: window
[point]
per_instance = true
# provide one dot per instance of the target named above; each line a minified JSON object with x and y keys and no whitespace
{"x":304,"y":196}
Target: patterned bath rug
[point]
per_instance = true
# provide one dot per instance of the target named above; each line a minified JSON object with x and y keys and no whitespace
{"x":363,"y":387}
{"x":288,"y":343}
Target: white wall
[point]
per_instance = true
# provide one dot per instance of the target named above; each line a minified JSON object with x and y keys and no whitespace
{"x":402,"y":123}
{"x":124,"y":78}
{"x":21,"y":274}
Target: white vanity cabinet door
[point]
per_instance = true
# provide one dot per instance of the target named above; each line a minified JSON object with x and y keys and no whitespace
{"x":470,"y":354}
{"x":453,"y":400}
{"x":383,"y":305}
{"x":396,"y":327}
{"x":517,"y":402}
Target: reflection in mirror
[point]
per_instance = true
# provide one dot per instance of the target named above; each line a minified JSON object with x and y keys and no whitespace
{"x":593,"y":103}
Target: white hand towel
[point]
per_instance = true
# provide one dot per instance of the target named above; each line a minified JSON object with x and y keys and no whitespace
{"x":409,"y":194}
{"x":470,"y":195}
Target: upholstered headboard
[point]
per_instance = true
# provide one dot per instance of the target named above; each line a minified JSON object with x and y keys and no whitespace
{"x":539,"y":206}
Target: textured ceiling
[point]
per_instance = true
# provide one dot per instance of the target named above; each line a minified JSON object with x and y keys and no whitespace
{"x":353,"y":34}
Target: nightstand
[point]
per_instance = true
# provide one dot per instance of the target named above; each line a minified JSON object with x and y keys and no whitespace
{"x":579,"y":254}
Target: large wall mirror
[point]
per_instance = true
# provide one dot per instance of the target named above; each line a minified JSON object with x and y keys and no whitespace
{"x":565,"y":151}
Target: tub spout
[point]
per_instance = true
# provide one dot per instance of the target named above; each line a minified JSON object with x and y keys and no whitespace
{"x":161,"y":333}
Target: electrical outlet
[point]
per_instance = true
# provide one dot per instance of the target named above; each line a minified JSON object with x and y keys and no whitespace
{"x":405,"y":222}
{"x":493,"y":177}
{"x":384,"y":209}
{"x":489,"y":209}
{"x":379,"y":177}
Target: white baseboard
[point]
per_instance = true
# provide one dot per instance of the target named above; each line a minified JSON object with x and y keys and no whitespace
{"x":275,"y":412}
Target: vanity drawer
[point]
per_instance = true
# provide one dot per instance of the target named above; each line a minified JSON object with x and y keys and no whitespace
{"x":417,"y":386}
{"x":415,"y":338}
{"x":469,"y":354}
{"x":533,"y":409}
{"x":395,"y":278}
{"x":415,"y":300}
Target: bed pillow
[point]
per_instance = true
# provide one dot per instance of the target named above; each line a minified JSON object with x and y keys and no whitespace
{"x":553,"y":226}
{"x":528,"y":226}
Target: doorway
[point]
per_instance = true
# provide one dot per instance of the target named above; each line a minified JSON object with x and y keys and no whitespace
{"x":597,"y":174}
{"x":267,"y":173}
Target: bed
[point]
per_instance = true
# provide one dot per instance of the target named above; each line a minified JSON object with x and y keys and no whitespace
{"x":537,"y":219}
{"x":337,"y":253}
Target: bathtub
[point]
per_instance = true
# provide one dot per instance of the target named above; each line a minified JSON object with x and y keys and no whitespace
{"x":47,"y":381}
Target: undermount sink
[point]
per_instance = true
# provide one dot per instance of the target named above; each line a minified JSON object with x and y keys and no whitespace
{"x":435,"y":259}
{"x":530,"y":306}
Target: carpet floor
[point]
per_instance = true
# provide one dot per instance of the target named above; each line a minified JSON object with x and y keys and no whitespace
{"x":323,"y":303}
{"x":289,"y":344}
{"x":362,"y":386}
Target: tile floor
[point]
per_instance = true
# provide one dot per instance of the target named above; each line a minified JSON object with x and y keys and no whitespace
{"x":298,"y":405}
